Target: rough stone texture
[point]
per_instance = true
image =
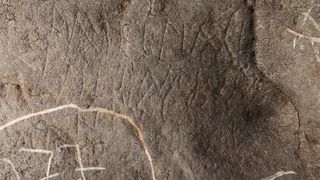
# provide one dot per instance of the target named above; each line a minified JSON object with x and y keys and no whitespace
{"x":215,"y":86}
{"x":292,"y":62}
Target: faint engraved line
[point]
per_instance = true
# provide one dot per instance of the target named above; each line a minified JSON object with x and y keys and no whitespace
{"x":26,"y":63}
{"x":315,"y":24}
{"x":308,"y":12}
{"x":12,"y":166}
{"x":183,"y":36}
{"x":94,"y":109}
{"x":47,"y":50}
{"x":305,"y":17}
{"x":151,"y":6}
{"x":163,"y":39}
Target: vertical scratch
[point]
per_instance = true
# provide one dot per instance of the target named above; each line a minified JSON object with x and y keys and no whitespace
{"x":195,"y":41}
{"x":144,"y":39}
{"x":162,"y":40}
{"x":182,"y":38}
{"x":50,"y":35}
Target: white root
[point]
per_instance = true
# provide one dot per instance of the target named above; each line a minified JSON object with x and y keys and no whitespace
{"x":96,"y":109}
{"x":278,"y":174}
{"x":41,"y":151}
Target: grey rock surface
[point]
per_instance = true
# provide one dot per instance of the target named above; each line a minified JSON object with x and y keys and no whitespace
{"x":288,"y":54}
{"x":216,"y":87}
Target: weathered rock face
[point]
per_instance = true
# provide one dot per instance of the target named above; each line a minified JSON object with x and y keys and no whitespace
{"x":288,"y":53}
{"x":216,"y":87}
